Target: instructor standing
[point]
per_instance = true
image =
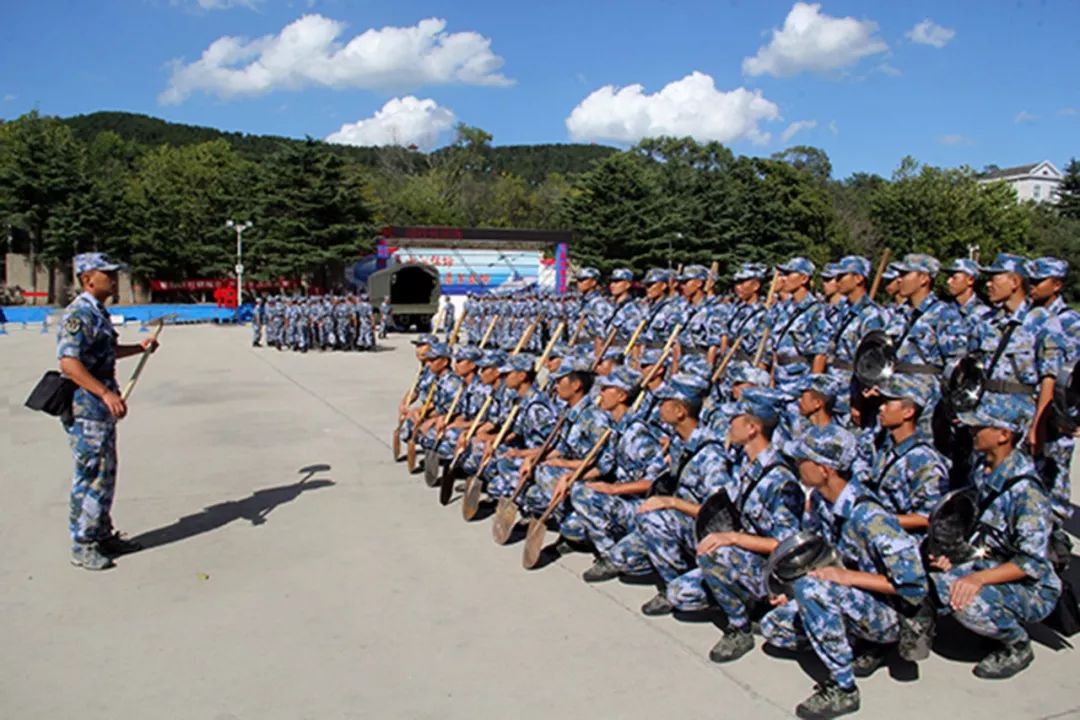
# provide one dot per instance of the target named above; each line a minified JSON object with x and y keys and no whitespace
{"x":87,"y":348}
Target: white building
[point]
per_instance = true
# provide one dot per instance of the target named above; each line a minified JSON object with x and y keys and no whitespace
{"x":1037,"y":182}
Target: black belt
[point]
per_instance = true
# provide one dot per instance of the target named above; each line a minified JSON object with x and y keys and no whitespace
{"x":1009,"y":387}
{"x":790,"y":359}
{"x":655,"y":344}
{"x":842,"y":365}
{"x":917,"y":369}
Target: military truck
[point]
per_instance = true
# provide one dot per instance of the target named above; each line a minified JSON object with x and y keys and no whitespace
{"x":413,"y":290}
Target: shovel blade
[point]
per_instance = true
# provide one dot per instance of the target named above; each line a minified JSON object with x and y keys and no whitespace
{"x":410,"y":456}
{"x":446,"y":484}
{"x":470,"y":503}
{"x":431,"y":468}
{"x":505,"y":518}
{"x":395,"y":444}
{"x":534,"y":544}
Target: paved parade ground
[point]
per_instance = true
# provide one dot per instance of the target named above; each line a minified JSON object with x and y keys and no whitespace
{"x":293,"y":570}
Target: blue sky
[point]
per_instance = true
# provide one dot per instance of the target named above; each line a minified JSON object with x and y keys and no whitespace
{"x":950,"y":83}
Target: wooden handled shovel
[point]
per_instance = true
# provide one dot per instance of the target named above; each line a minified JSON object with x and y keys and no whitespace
{"x":142,"y":361}
{"x":471,"y":501}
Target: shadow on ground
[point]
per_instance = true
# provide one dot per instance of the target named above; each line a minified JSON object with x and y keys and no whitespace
{"x":254,"y":509}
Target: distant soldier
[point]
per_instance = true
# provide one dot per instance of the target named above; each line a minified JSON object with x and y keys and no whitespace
{"x":448,"y":318}
{"x":258,"y":320}
{"x":385,"y":315}
{"x":87,"y":348}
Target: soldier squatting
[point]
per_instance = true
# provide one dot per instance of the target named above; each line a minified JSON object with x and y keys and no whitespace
{"x":622,"y":420}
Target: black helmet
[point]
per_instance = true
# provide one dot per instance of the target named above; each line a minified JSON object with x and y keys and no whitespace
{"x":1066,"y":402}
{"x":951,"y":524}
{"x":964,"y":388}
{"x":875,"y":358}
{"x":795,"y":557}
{"x":718,"y":514}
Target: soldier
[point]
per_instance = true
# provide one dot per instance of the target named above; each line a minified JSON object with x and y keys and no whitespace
{"x":897,"y":309}
{"x":448,"y":318}
{"x":534,"y":421}
{"x":801,"y":341}
{"x":446,"y":384}
{"x":385,"y":316}
{"x":963,"y":274}
{"x":661,"y":310}
{"x":1047,"y":277}
{"x":665,"y":524}
{"x":584,"y":425}
{"x":702,"y":320}
{"x":87,"y":349}
{"x":1010,"y":582}
{"x":830,"y":292}
{"x":628,"y":312}
{"x":466,"y":366}
{"x":276,"y":331}
{"x":931,"y":338}
{"x":344,"y":324}
{"x":881,"y":568}
{"x":746,"y":318}
{"x":859,"y":315}
{"x":595,"y":308}
{"x":607,"y":504}
{"x":769,"y":503}
{"x":908,"y":474}
{"x":258,"y":320}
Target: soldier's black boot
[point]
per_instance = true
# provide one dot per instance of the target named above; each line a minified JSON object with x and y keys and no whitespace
{"x":658,"y":605}
{"x":602,"y":569}
{"x":868,"y":658}
{"x":1006,"y":661}
{"x":828,"y":701}
{"x":732,"y":646}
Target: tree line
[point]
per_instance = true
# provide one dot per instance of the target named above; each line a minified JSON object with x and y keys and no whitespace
{"x":157,"y":195}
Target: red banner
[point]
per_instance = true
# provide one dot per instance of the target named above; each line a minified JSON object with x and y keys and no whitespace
{"x":215,"y":283}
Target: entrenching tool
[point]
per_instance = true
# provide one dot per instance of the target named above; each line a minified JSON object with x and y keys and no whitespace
{"x":765,"y":333}
{"x":506,"y":510}
{"x":603,"y":349}
{"x":431,"y":457}
{"x":410,"y":448}
{"x":158,"y":325}
{"x":457,"y":329}
{"x":578,"y":329}
{"x":446,"y":483}
{"x":525,"y":336}
{"x":473,"y":486}
{"x":634,"y":338}
{"x":534,"y":537}
{"x":722,"y":367}
{"x":396,"y":440}
{"x":487,"y":333}
{"x":550,"y":346}
{"x":710,"y":283}
{"x":882,"y":264}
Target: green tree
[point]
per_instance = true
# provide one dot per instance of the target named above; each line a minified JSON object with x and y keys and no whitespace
{"x":1068,"y":204}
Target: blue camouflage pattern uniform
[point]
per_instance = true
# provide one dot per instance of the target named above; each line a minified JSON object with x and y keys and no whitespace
{"x":258,"y":321}
{"x":802,"y":334}
{"x":868,"y":539}
{"x":531,"y":427}
{"x":661,"y":315}
{"x":1013,"y":526}
{"x":86,"y":334}
{"x":973,"y":310}
{"x":596,"y":309}
{"x":770,"y":503}
{"x":851,"y":323}
{"x":606,"y":519}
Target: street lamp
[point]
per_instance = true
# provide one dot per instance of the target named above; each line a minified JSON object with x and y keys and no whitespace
{"x":239,"y":228}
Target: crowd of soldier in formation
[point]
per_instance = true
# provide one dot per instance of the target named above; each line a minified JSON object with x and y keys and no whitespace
{"x":621,"y":420}
{"x":327,"y":322}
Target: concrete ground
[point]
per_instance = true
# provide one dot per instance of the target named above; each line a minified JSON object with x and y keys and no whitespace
{"x":345,"y":591}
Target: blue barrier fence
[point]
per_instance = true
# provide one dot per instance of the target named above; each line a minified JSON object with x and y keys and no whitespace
{"x":181,"y":314}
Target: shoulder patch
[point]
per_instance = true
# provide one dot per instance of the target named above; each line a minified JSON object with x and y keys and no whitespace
{"x":73,"y":324}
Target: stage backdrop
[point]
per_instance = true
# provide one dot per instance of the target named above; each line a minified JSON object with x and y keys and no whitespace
{"x":464,"y":270}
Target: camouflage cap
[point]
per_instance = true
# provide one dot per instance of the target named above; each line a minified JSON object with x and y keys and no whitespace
{"x":751,"y":271}
{"x":854,"y":264}
{"x":759,"y":403}
{"x":613,"y":353}
{"x":522,"y":362}
{"x":828,"y":445}
{"x":694,"y":272}
{"x":651,"y":356}
{"x":622,"y":274}
{"x":999,"y":410}
{"x":1007,"y":263}
{"x":558,"y":350}
{"x":1046,"y":267}
{"x":683,"y":386}
{"x":468,"y":352}
{"x":892,"y":271}
{"x":905,"y":387}
{"x":831,"y":271}
{"x":621,"y":377}
{"x":969,"y":267}
{"x":588,"y":273}
{"x":744,"y":372}
{"x":825,"y":385}
{"x":571,"y":365}
{"x":656,"y":275}
{"x":87,"y":262}
{"x":437,"y":350}
{"x":425,"y":339}
{"x":799,"y":265}
{"x":491,"y":358}
{"x":919,"y":262}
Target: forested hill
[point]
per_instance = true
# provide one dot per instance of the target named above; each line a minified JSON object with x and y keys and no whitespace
{"x":532,"y":163}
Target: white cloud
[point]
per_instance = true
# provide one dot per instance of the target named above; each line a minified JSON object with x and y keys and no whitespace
{"x":688,"y":107}
{"x":401,"y":121}
{"x":796,"y":127}
{"x":929,"y":32}
{"x":890,"y":70}
{"x":811,"y":41}
{"x":308,"y":52}
{"x":1024,"y":117}
{"x":1068,"y":112}
{"x":834,"y":128}
{"x":954,"y":139}
{"x":9,"y":98}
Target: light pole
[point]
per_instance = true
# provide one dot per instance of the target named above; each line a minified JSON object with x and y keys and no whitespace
{"x":239,"y":228}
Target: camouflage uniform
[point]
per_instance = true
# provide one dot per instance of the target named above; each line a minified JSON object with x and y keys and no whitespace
{"x":803,"y":334}
{"x":869,"y":539}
